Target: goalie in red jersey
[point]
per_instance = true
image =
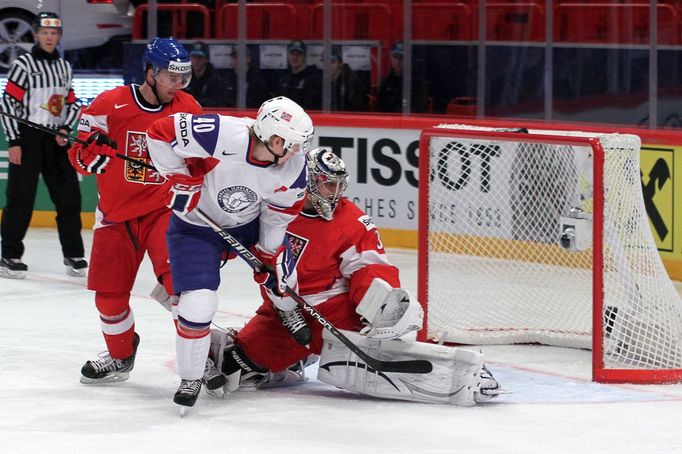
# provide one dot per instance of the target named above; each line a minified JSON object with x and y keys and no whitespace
{"x":132,"y":216}
{"x":344,"y":272}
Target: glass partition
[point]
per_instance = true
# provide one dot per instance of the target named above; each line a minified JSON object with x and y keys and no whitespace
{"x":611,"y":62}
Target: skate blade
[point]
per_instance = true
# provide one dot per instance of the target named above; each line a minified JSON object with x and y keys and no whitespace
{"x":74,"y":272}
{"x":116,"y":378}
{"x":497,"y":392}
{"x":9,"y":274}
{"x":282,"y":384}
{"x":184,"y":411}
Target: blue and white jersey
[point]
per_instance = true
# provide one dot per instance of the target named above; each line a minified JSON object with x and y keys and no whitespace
{"x":237,"y":187}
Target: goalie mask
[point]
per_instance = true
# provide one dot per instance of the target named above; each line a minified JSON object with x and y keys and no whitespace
{"x":327,"y":179}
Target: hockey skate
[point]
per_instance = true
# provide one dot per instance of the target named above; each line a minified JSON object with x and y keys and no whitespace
{"x":187,"y":394}
{"x":75,"y":266}
{"x":487,"y":388}
{"x":106,"y":369}
{"x":13,"y":268}
{"x":213,"y":379}
{"x":293,"y":321}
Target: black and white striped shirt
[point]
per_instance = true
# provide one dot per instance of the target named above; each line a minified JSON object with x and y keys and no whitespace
{"x":39,"y":90}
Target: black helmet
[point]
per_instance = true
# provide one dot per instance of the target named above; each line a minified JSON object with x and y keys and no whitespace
{"x":46,"y":19}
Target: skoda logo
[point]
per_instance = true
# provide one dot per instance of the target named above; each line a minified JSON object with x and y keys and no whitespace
{"x":236,"y":199}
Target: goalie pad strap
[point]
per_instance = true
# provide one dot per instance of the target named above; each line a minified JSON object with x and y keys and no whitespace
{"x":452,"y":381}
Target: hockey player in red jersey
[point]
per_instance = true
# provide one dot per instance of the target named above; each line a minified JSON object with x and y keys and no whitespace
{"x":131,"y":216}
{"x":344,"y":272}
{"x":249,"y":176}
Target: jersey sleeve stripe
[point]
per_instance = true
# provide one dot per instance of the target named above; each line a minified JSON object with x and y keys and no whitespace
{"x":71,"y":97}
{"x":353,"y":260}
{"x":15,"y":91}
{"x":89,"y":122}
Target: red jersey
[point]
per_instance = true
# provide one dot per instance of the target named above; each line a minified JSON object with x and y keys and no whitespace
{"x":127,"y":191}
{"x":337,"y":260}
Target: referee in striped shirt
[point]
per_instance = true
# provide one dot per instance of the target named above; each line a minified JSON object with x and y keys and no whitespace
{"x":39,"y":90}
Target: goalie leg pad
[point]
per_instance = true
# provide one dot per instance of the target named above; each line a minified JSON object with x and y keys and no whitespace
{"x":241,"y":372}
{"x":390,"y":312}
{"x":455,"y":378}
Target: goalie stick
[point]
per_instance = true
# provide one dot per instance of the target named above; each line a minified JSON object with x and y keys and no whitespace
{"x":72,"y":138}
{"x":417,"y":366}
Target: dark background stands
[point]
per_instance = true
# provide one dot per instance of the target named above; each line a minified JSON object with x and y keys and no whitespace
{"x":349,"y":93}
{"x":302,"y":83}
{"x":391,"y":87}
{"x":257,"y":90}
{"x":207,"y":86}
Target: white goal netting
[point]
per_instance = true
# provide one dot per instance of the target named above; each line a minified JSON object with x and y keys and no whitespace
{"x":494,"y":271}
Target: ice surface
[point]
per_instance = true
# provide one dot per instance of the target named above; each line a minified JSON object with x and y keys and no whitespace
{"x":51,"y":327}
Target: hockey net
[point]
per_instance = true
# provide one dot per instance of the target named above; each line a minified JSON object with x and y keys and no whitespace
{"x":542,"y":237}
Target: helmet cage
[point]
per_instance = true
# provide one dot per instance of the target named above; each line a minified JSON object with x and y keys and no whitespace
{"x":327,"y":180}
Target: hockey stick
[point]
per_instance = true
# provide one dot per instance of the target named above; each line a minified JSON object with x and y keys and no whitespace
{"x":416,"y":366}
{"x":72,"y":138}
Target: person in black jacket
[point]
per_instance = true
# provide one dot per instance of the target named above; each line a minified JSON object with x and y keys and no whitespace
{"x":303,"y":83}
{"x":256,"y":88}
{"x":348,"y":91}
{"x":391,"y":87}
{"x":207,"y":87}
{"x":39,"y":90}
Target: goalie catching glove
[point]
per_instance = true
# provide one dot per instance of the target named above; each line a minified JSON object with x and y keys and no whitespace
{"x":389,"y":312}
{"x":96,"y":156}
{"x":184,"y":193}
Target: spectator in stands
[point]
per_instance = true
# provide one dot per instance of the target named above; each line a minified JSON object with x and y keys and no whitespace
{"x":207,"y":87}
{"x":348,"y":91}
{"x":302,"y":83}
{"x":391,"y":87}
{"x":256,"y":88}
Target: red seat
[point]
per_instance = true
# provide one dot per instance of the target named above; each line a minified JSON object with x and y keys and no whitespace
{"x":613,"y":23}
{"x":515,"y":22}
{"x":263,"y":21}
{"x":179,"y":19}
{"x":462,"y":107}
{"x":442,"y":22}
{"x":355,"y":21}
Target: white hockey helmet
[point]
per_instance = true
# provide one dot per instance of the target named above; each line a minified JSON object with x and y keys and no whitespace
{"x":327,"y":179}
{"x":282,"y":117}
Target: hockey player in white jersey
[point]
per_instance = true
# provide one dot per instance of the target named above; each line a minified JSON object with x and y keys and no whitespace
{"x":249,"y":176}
{"x":343,"y":271}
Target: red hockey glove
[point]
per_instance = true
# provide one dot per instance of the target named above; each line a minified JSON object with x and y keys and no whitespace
{"x":280,"y":266}
{"x":184,"y":192}
{"x":95,"y":157}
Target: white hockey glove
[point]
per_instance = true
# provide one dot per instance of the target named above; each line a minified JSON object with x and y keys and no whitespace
{"x":390,"y":312}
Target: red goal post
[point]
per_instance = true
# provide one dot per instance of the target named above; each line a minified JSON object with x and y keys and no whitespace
{"x":542,"y":236}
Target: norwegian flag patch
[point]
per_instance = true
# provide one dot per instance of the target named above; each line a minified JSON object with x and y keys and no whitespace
{"x":285,"y":116}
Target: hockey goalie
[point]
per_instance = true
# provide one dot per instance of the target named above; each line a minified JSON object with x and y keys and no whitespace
{"x":344,"y":273}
